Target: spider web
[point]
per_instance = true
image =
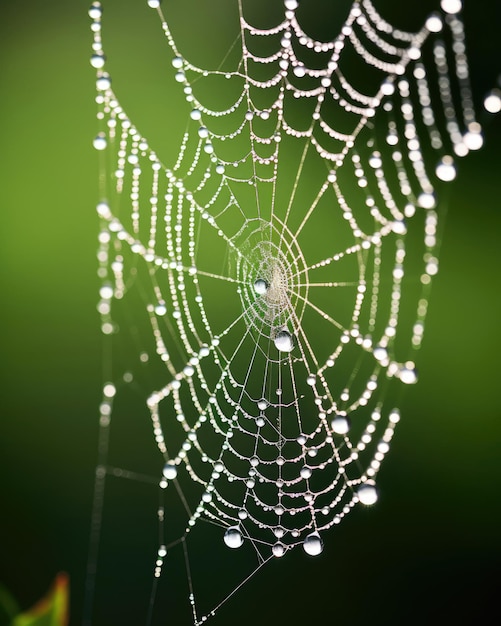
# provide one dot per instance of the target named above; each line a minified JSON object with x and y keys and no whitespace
{"x":262,"y":297}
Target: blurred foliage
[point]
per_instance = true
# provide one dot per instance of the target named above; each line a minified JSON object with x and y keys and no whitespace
{"x":51,"y":610}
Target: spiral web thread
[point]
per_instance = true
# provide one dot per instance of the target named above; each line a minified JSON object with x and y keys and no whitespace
{"x":277,"y":275}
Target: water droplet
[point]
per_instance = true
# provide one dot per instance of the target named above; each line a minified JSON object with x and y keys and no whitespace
{"x":100,"y":142}
{"x":220,"y":169}
{"x":162,"y":551}
{"x":380,"y":353}
{"x":340,"y":425}
{"x":313,"y":545}
{"x":233,"y":537}
{"x":278,"y":549}
{"x":426,"y":200}
{"x":242,"y":514}
{"x":284,"y":341}
{"x":492,"y":102}
{"x":103,"y":82}
{"x":180,"y":77}
{"x":434,"y":23}
{"x":280,"y":460}
{"x":260,"y":286}
{"x":446,"y":170}
{"x":387,"y":88}
{"x":367,"y":494}
{"x":408,"y":375}
{"x":290,"y":5}
{"x":97,"y":61}
{"x":311,"y":380}
{"x":451,"y":6}
{"x":154,"y":4}
{"x":305,"y":472}
{"x":375,"y":161}
{"x":262,"y":404}
{"x":473,"y":139}
{"x":196,"y":114}
{"x":279,"y":532}
{"x":170,"y":471}
{"x":203,"y":132}
{"x":95,"y":11}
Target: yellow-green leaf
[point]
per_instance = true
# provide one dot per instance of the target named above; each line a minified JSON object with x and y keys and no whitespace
{"x":52,"y":610}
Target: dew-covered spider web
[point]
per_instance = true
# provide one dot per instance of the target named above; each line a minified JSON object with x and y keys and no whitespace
{"x":264,"y":296}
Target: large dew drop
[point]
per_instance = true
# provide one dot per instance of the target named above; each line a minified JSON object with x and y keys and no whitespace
{"x":278,"y":549}
{"x":100,"y":142}
{"x":446,"y":170}
{"x":284,"y":341}
{"x":367,"y":494}
{"x":340,"y":425}
{"x":233,"y":537}
{"x":313,"y":545}
{"x":260,"y":286}
{"x":170,"y":471}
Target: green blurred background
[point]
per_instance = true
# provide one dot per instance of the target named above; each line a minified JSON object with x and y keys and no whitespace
{"x":429,"y":552}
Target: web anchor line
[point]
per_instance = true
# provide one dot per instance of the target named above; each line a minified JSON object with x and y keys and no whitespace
{"x":263,"y":298}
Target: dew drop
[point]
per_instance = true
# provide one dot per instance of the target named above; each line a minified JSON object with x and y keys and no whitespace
{"x":100,"y":142}
{"x":311,"y":380}
{"x":387,"y":88}
{"x":408,"y":375}
{"x":426,"y":200}
{"x":340,"y":425}
{"x":262,"y":404}
{"x":446,"y":170}
{"x":103,"y":82}
{"x":170,"y":471}
{"x":278,"y":549}
{"x":492,"y":102}
{"x":313,"y":545}
{"x":451,"y":6}
{"x":154,"y":4}
{"x":290,"y":5}
{"x":380,"y":353}
{"x":260,"y":286}
{"x":305,"y":472}
{"x":233,"y":537}
{"x":97,"y":61}
{"x":284,"y":341}
{"x":95,"y":11}
{"x":367,"y":494}
{"x":279,"y":532}
{"x":162,"y":551}
{"x":434,"y":23}
{"x":473,"y":139}
{"x":196,"y":115}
